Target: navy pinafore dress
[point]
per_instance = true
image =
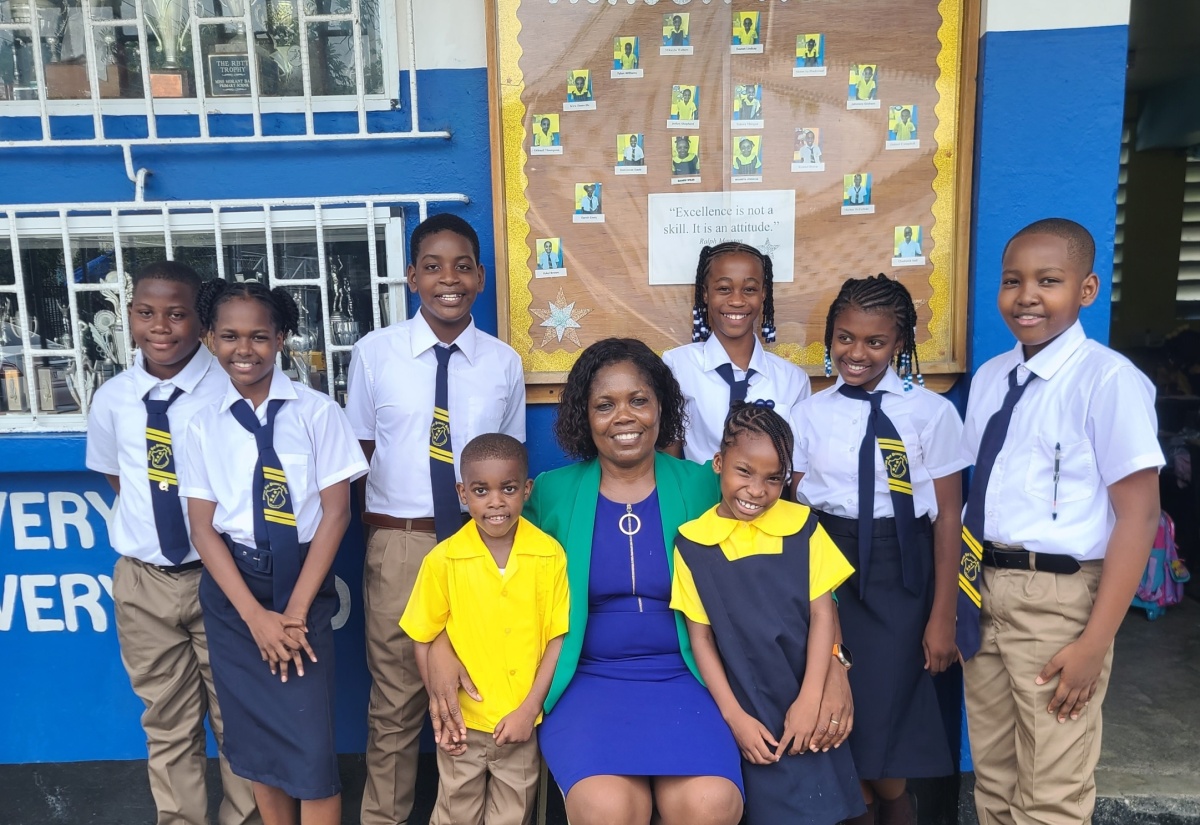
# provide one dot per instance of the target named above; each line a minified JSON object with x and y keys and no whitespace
{"x":759,"y":609}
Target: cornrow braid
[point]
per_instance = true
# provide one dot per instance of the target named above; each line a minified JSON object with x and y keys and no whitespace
{"x":285,"y":315}
{"x":700,"y":321}
{"x":880,"y":293}
{"x":755,"y":417}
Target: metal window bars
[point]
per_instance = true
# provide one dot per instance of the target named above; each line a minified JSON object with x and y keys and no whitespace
{"x":31,"y":28}
{"x":34,"y":371}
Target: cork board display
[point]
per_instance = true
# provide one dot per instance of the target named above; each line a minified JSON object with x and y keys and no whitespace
{"x":832,"y":134}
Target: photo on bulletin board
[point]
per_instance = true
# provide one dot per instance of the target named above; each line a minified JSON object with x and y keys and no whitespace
{"x":547,"y":140}
{"x":675,"y":37}
{"x":549,"y":258}
{"x":708,"y":146}
{"x":807,"y":154}
{"x":810,"y":56}
{"x":907,"y":246}
{"x":902,"y":127}
{"x":747,"y":38}
{"x":626,"y":58}
{"x":864,"y":86}
{"x":631,"y":155}
{"x":747,"y":106}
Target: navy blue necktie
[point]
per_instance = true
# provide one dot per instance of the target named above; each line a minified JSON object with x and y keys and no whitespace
{"x":274,"y":520}
{"x":447,"y":515}
{"x":883,"y":436}
{"x":160,"y":467}
{"x":737,"y":389}
{"x":990,"y":443}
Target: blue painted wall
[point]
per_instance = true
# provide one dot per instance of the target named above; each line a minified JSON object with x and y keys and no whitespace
{"x":1047,"y":144}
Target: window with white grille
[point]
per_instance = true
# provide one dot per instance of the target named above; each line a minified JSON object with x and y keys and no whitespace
{"x":65,"y":286}
{"x":1187,"y":290}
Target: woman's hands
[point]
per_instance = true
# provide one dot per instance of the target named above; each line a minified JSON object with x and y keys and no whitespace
{"x":281,"y":639}
{"x":445,"y":676}
{"x":835,"y":718}
{"x":799,"y":725}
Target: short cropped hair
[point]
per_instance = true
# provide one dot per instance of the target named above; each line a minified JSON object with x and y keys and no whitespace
{"x":494,"y":446}
{"x":1081,"y":246}
{"x":443,"y":222}
{"x":571,"y":427}
{"x":165,"y":270}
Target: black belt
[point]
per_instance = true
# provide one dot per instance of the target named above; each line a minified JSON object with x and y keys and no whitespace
{"x":175,"y":570}
{"x":1018,"y":558}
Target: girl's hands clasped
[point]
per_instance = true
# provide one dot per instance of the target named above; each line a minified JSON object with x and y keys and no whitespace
{"x":280,"y":640}
{"x":753,"y":739}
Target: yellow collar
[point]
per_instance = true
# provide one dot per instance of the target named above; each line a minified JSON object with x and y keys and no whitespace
{"x":785,"y":518}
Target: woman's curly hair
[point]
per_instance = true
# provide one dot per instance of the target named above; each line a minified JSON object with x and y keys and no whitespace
{"x":571,"y":427}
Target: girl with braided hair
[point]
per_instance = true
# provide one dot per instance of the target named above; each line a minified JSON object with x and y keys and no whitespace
{"x":726,"y":362}
{"x":267,"y":480}
{"x":753,"y":577}
{"x":895,"y":513}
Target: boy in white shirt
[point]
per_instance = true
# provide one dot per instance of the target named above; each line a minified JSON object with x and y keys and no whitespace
{"x":412,"y":439}
{"x":1057,"y":529}
{"x":137,"y":431}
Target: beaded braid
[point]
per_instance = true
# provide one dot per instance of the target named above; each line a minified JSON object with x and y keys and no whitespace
{"x":285,"y":315}
{"x":700,"y":328}
{"x":880,"y":293}
{"x":761,"y":418}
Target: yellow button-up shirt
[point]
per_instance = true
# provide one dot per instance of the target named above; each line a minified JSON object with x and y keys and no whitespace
{"x":499,"y":624}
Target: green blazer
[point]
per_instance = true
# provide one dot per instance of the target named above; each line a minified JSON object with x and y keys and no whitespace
{"x":564,"y":505}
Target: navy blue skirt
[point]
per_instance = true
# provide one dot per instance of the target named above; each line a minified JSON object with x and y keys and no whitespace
{"x":278,"y":733}
{"x":898,"y":731}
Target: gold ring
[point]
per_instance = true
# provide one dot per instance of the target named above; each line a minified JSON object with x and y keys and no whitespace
{"x":833,"y":721}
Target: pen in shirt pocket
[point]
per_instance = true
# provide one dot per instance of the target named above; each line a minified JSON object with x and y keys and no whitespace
{"x":1057,"y":468}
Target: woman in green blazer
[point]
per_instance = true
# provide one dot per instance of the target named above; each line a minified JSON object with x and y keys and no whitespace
{"x":629,"y":728}
{"x":630,"y":731}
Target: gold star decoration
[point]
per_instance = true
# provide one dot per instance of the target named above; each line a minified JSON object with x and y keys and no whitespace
{"x":560,"y":320}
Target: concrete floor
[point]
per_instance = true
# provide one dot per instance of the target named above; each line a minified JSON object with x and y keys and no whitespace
{"x":1151,"y":754}
{"x":1149,"y":770}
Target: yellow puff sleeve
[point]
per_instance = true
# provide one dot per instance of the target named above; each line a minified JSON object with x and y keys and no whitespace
{"x":827,"y":567}
{"x":684,"y":597}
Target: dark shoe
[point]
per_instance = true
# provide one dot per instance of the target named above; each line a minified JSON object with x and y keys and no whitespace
{"x":863,"y":819}
{"x":899,"y":811}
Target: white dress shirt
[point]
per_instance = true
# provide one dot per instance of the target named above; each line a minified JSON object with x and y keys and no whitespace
{"x":116,"y":443}
{"x":858,"y":194}
{"x":707,"y":394}
{"x":313,"y":439}
{"x":909,"y":249}
{"x":829,"y":430}
{"x":390,"y":402}
{"x":810,"y":154}
{"x":634,"y":154}
{"x":1088,"y":404}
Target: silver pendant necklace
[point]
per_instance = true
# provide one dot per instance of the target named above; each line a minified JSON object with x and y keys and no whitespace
{"x":630,"y":524}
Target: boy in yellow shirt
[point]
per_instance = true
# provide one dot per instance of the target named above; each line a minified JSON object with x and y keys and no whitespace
{"x":498,"y":588}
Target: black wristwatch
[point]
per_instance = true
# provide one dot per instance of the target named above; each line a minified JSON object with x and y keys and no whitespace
{"x":843,"y":655}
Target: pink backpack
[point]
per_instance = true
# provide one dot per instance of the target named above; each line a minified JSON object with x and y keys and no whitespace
{"x":1162,"y":583}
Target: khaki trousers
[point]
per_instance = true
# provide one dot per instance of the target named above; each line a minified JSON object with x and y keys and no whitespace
{"x":488,"y":784}
{"x":1028,"y":767}
{"x":398,"y":703}
{"x":161,"y":631}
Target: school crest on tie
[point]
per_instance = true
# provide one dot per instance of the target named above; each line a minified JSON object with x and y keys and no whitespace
{"x":970,"y":567}
{"x":439,"y":430}
{"x":159,"y":456}
{"x":897,"y":465}
{"x":275,"y":495}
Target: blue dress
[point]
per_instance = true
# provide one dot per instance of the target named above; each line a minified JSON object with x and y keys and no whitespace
{"x":633,"y":708}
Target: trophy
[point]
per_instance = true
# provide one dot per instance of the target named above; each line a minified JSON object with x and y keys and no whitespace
{"x":301,"y":342}
{"x":167,"y":21}
{"x":341,"y":321}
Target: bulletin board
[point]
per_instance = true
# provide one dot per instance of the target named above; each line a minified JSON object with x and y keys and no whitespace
{"x":834,"y":135}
